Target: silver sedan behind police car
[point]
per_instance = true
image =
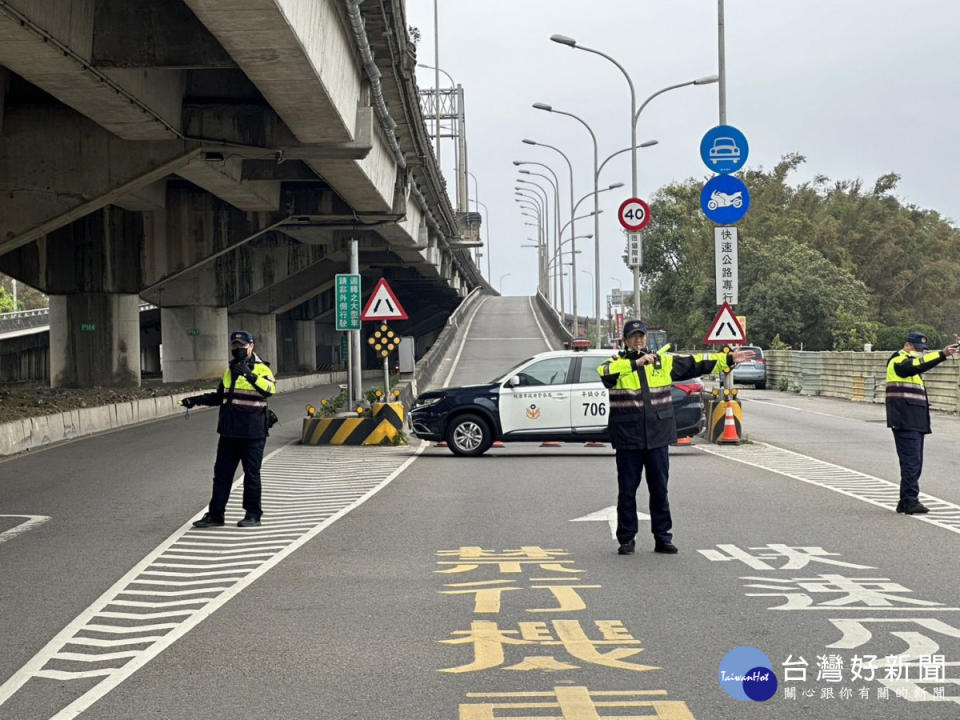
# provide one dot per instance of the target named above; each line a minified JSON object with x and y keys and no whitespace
{"x":551,"y":396}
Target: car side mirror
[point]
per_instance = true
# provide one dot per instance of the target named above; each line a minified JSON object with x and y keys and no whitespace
{"x":513,"y":381}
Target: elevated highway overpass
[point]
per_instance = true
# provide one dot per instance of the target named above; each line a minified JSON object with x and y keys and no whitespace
{"x":215,"y":160}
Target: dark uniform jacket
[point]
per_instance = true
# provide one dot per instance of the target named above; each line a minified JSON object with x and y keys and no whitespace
{"x":906,"y":396}
{"x":641,"y":409}
{"x":243,"y":401}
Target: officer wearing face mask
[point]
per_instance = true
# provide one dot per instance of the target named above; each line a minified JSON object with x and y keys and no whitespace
{"x":243,"y":426}
{"x":642,"y":426}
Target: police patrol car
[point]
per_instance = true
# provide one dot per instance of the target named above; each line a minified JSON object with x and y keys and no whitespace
{"x":551,"y":396}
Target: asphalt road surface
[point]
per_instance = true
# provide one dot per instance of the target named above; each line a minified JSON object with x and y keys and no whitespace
{"x":412,"y":584}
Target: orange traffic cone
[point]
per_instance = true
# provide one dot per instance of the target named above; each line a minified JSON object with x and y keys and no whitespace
{"x":729,"y":434}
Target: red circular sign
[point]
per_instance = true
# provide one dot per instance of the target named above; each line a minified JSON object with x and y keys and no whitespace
{"x":634,"y":214}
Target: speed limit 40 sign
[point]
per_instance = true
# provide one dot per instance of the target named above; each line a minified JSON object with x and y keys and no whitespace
{"x":634,"y":214}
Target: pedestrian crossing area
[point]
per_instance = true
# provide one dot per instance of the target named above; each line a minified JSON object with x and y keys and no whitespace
{"x":845,"y":481}
{"x":196,"y":571}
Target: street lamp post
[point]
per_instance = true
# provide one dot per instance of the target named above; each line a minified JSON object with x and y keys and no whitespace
{"x":476,"y":199}
{"x":634,"y":113}
{"x":596,"y":206}
{"x":527,"y":202}
{"x":576,"y":329}
{"x":500,"y":284}
{"x":556,"y":216}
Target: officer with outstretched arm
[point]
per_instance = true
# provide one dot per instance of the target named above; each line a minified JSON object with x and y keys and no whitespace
{"x":243,"y":426}
{"x":642,"y":426}
{"x":908,"y":413}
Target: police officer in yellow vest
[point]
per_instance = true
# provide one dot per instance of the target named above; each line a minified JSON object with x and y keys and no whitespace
{"x":243,"y":426}
{"x":642,"y":426}
{"x":908,"y":413}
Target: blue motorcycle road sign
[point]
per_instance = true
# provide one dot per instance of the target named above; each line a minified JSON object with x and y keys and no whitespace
{"x":725,"y":199}
{"x":724,"y":149}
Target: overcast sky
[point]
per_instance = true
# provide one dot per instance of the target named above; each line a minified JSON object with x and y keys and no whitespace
{"x":860,"y":87}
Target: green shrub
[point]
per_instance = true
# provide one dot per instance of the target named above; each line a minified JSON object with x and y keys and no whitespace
{"x":892,"y":337}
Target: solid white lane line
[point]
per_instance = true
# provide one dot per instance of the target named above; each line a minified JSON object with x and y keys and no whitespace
{"x":539,"y":326}
{"x":839,"y":479}
{"x":217,"y":586}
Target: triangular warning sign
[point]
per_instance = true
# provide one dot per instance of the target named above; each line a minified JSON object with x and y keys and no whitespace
{"x":726,"y":329}
{"x":383,"y":304}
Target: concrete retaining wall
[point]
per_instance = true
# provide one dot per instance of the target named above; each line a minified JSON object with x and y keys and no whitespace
{"x":29,"y":433}
{"x":856,"y":376}
{"x":553,"y":320}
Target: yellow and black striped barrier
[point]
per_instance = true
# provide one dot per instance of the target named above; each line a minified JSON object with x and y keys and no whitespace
{"x":726,"y":421}
{"x":382,"y":427}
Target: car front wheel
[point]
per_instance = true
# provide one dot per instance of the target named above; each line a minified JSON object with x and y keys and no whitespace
{"x":469,"y":435}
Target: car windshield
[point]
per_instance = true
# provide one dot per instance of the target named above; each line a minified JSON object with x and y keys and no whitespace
{"x":512,"y":371}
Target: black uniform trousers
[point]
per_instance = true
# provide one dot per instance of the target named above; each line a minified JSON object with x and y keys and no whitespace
{"x":910,"y":453}
{"x":230,"y":453}
{"x":630,"y":466}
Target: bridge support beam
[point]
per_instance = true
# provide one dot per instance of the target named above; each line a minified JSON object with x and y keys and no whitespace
{"x":306,"y":344}
{"x":94,"y":340}
{"x":195,"y":342}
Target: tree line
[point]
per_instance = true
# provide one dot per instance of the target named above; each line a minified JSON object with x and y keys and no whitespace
{"x":824,"y":265}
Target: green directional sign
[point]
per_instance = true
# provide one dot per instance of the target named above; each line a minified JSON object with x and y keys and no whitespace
{"x":347,"y":302}
{"x":193,"y":332}
{"x":88,"y":327}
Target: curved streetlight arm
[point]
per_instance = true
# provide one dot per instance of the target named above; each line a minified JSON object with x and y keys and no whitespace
{"x":545,"y":177}
{"x":699,"y":81}
{"x":580,"y":217}
{"x":431,"y":67}
{"x":532,"y":199}
{"x":591,"y":194}
{"x":538,"y":186}
{"x":645,"y":144}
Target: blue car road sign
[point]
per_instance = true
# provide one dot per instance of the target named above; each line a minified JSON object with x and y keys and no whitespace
{"x":725,"y":199}
{"x":724,"y":149}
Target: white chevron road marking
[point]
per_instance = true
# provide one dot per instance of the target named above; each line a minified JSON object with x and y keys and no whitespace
{"x":306,"y":489}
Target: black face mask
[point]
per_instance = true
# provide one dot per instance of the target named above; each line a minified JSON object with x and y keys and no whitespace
{"x":239,"y":354}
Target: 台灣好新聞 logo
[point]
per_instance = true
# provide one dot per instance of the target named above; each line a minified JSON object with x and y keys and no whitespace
{"x":746,"y":674}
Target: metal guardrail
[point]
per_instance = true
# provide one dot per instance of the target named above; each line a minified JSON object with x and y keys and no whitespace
{"x":37,"y":318}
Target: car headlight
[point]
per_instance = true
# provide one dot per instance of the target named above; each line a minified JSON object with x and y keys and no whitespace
{"x":423,"y":404}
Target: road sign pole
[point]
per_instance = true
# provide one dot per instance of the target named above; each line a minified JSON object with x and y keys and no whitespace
{"x":386,"y":379}
{"x":355,"y":369}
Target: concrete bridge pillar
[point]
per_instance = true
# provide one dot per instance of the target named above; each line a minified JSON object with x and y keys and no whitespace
{"x":91,"y":271}
{"x":195,"y":341}
{"x":306,"y":344}
{"x":94,"y":340}
{"x":263,"y":327}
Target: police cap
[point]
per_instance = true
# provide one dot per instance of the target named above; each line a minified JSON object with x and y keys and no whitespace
{"x":918,"y":340}
{"x":634,"y":326}
{"x":242,"y":337}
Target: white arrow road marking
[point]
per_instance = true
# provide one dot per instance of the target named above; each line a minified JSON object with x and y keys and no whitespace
{"x":30,"y":523}
{"x":609,"y":514}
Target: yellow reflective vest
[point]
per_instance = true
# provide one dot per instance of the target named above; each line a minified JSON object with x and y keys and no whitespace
{"x":906,"y":396}
{"x":243,"y":404}
{"x":641,"y":409}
